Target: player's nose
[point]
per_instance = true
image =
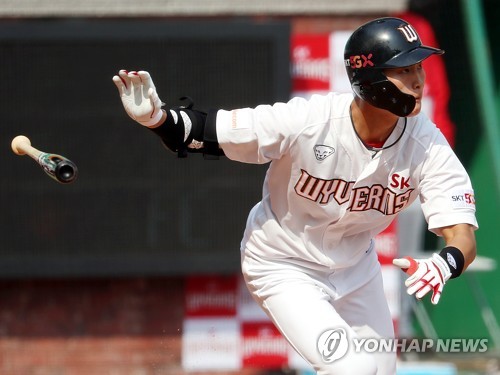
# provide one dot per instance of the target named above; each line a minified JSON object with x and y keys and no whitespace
{"x":418,"y":79}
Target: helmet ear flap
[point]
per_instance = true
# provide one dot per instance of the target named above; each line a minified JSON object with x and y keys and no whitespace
{"x":374,"y":87}
{"x":385,"y":95}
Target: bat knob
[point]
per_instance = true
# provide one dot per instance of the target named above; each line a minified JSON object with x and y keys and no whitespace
{"x":17,"y":142}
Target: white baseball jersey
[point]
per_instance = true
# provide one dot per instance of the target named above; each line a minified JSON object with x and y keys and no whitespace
{"x":325,"y":195}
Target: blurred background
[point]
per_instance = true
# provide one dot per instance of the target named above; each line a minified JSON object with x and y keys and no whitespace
{"x":134,"y":268}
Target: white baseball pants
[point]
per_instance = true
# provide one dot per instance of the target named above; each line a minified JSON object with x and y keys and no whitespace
{"x":305,"y":302}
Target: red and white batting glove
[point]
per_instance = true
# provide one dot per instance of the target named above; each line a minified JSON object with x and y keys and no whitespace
{"x":426,"y":275}
{"x":139,"y":96}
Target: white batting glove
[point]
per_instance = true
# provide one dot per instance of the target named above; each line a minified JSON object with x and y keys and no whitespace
{"x":139,"y":96}
{"x":426,"y":275}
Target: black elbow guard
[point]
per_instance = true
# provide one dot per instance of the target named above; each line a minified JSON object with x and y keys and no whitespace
{"x":188,"y":130}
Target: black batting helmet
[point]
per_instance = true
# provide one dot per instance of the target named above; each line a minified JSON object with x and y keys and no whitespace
{"x":377,"y":45}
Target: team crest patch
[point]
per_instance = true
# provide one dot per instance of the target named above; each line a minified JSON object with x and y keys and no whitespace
{"x":322,"y":152}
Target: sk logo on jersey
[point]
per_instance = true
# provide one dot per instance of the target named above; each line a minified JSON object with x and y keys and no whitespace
{"x":322,"y":152}
{"x":399,"y":182}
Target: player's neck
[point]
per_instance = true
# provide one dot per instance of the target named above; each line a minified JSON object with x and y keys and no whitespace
{"x":373,"y":125}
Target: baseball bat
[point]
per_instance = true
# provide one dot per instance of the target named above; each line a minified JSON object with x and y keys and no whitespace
{"x":56,"y":166}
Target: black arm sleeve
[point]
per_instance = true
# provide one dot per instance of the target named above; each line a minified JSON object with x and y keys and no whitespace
{"x":187,"y":130}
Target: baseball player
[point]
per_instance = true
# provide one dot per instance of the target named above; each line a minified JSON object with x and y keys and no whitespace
{"x":341,"y":167}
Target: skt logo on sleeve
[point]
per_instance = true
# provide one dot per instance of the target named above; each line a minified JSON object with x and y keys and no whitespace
{"x":462,"y":198}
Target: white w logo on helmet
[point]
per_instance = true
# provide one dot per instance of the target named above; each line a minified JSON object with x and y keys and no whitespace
{"x":409,"y":33}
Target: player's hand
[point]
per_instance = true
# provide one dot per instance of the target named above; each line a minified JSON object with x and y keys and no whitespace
{"x":139,"y":97}
{"x":426,"y":275}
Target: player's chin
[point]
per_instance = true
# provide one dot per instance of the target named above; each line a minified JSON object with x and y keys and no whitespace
{"x":417,"y":109}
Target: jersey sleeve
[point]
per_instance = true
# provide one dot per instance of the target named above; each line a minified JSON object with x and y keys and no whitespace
{"x":445,"y":188}
{"x":261,"y":134}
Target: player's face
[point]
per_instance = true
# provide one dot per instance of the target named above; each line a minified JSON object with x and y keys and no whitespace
{"x":409,"y":80}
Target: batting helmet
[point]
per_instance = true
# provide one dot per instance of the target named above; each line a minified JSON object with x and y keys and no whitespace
{"x":381,"y":44}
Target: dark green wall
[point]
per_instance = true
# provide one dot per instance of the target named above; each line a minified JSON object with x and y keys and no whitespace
{"x":458,"y":313}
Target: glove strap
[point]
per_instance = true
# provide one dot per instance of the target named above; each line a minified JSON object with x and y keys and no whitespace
{"x":455,"y":260}
{"x":154,"y":120}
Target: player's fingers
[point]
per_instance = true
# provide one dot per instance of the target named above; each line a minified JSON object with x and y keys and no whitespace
{"x":154,"y":100}
{"x":119,"y":83}
{"x":401,"y":263}
{"x":415,"y":287}
{"x":416,"y":277}
{"x":123,"y":75}
{"x":436,"y":296}
{"x":146,"y":79}
{"x":134,"y":77}
{"x":136,"y":87}
{"x":407,"y":264}
{"x":423,"y":291}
